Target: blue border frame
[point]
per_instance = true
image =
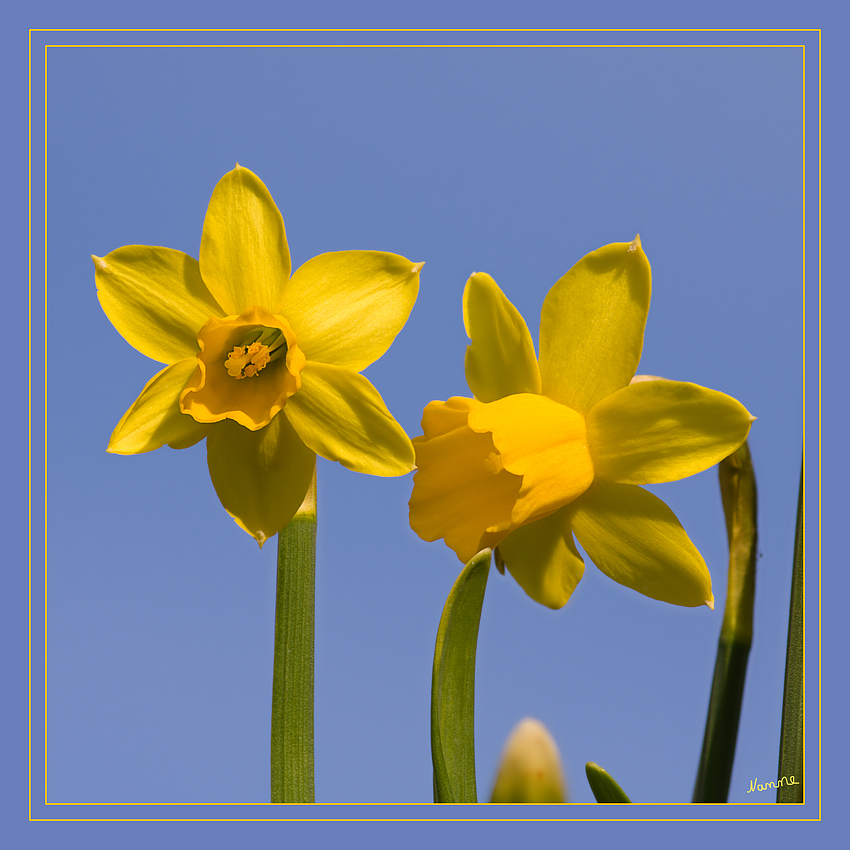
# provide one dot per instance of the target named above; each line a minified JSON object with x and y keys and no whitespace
{"x":811,"y":810}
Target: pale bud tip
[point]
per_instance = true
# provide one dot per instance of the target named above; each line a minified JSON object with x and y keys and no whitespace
{"x":417,"y":267}
{"x":530,"y":771}
{"x":635,"y":243}
{"x":710,"y":602}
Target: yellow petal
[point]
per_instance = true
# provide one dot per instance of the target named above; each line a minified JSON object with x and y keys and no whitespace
{"x":635,"y":539}
{"x":261,"y":477}
{"x":154,"y":419}
{"x":543,"y":559}
{"x":213,"y":394}
{"x":244,"y":255}
{"x":501,"y":360}
{"x":591,"y":325}
{"x":155,"y":298}
{"x":545,"y":443}
{"x":660,"y":430}
{"x":461,"y":493}
{"x":347,"y":307}
{"x":342,"y":417}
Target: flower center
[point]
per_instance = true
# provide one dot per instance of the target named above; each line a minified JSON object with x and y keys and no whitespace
{"x":256,"y":350}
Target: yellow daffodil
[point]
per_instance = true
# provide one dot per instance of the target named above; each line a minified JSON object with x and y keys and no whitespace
{"x":551,"y":449}
{"x":263,"y":364}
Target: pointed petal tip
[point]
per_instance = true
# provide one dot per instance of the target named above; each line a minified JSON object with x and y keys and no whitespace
{"x":401,"y":468}
{"x":99,"y":262}
{"x":260,"y":537}
{"x":635,"y":244}
{"x":710,"y":602}
{"x":481,"y":275}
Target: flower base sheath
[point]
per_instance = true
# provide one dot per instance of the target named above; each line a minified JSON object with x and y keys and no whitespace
{"x":262,"y":363}
{"x":558,"y":447}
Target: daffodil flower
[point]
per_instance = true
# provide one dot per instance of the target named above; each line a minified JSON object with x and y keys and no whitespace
{"x":263,"y":364}
{"x":551,"y":449}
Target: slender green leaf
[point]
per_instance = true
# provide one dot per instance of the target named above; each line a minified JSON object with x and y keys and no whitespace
{"x":453,"y":686}
{"x":791,"y":742}
{"x":738,"y":492}
{"x":292,"y":685}
{"x":604,"y":788}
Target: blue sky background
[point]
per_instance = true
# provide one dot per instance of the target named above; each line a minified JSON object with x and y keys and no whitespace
{"x":512,"y":161}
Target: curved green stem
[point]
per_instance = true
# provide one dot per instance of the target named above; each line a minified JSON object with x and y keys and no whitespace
{"x":738,"y":492}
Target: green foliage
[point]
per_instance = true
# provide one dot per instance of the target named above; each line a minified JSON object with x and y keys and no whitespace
{"x":453,"y":686}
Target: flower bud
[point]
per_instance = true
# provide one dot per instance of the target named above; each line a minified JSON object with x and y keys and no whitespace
{"x":530,"y":771}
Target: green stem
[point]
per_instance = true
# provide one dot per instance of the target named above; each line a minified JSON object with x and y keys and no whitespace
{"x":292,"y":686}
{"x":453,"y":686}
{"x":791,"y":741}
{"x":738,"y":492}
